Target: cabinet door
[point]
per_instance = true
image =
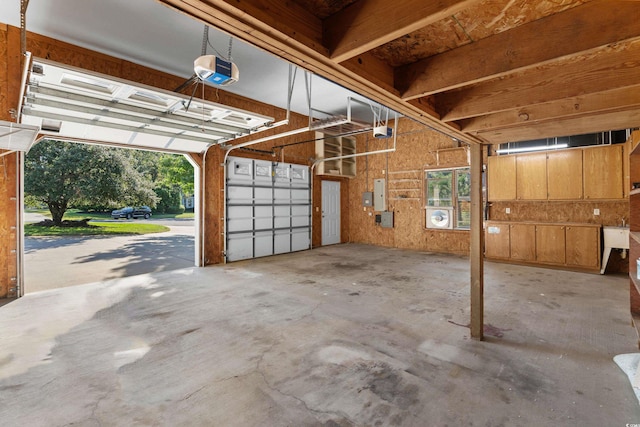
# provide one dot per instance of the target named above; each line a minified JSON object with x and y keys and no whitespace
{"x":564,"y":174}
{"x":583,"y":246}
{"x":603,"y":172}
{"x":531,"y":176}
{"x":501,"y":177}
{"x":496,"y":241}
{"x":523,"y":242}
{"x":550,"y":244}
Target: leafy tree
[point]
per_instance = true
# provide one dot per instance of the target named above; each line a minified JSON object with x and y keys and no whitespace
{"x":64,"y":174}
{"x":170,"y":201}
{"x":175,"y":170}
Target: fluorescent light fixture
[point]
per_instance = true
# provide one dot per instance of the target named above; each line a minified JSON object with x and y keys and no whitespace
{"x":17,"y":136}
{"x":536,"y":148}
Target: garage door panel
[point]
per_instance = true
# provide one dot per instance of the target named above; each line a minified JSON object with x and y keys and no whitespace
{"x":299,"y":216}
{"x":282,"y":241}
{"x":240,"y":246}
{"x":263,"y":244}
{"x":300,"y":239}
{"x":299,"y":196}
{"x":281,"y":195}
{"x":263,"y":218}
{"x":240,"y":218}
{"x":240,"y":195}
{"x":263,"y":195}
{"x":266,"y":200}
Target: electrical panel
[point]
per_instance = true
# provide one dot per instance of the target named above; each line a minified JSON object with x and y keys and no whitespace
{"x":379,"y":195}
{"x":367,"y":198}
{"x":386,"y":219}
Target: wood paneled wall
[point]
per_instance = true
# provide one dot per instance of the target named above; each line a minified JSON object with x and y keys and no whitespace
{"x":418,"y":148}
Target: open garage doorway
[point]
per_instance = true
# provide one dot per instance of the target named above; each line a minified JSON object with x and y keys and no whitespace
{"x":72,"y":105}
{"x":126,"y":212}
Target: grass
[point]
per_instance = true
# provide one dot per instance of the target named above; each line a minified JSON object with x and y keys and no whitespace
{"x":95,"y":229}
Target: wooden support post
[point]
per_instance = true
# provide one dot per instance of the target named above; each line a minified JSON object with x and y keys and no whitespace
{"x":477,"y":245}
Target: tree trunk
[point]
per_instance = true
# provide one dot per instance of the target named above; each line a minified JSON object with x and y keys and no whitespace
{"x":57,"y":210}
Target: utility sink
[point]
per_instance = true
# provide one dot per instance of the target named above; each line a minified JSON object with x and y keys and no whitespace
{"x":614,"y":237}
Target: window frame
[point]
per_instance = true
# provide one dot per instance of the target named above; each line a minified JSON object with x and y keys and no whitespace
{"x":455,"y":199}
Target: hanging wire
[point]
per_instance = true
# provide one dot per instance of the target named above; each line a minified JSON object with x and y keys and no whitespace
{"x":228,"y":57}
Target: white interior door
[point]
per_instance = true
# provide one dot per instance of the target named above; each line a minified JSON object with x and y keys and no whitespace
{"x":330,"y":212}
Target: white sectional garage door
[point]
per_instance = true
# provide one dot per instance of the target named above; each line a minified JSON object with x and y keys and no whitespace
{"x":268,"y":208}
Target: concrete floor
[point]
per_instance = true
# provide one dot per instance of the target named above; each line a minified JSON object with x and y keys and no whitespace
{"x":338,"y":336}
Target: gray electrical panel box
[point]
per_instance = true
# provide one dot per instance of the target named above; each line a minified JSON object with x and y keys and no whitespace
{"x":386,"y":220}
{"x":379,"y":196}
{"x":367,"y":198}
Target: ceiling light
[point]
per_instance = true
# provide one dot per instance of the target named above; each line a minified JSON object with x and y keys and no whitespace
{"x":536,"y":148}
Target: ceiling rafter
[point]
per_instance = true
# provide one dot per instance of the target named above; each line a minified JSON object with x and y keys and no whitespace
{"x":592,"y":104}
{"x":365,"y":25}
{"x":565,"y":127}
{"x":521,"y":48}
{"x":609,"y":68}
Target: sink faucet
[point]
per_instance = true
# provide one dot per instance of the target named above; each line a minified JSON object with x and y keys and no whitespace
{"x":623,"y":222}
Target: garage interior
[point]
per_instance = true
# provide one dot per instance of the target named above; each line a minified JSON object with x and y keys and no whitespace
{"x":364,"y":295}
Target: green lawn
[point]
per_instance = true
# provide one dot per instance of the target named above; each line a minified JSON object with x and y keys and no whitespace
{"x":95,"y":229}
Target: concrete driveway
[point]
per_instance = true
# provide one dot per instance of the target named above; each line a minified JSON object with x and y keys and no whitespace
{"x":56,"y":262}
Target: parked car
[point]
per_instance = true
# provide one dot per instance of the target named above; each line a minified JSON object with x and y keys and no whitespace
{"x":129,"y":212}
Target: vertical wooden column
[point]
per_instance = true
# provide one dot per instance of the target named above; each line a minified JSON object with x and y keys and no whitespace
{"x":212,"y":203}
{"x":10,"y":73}
{"x":477,"y":245}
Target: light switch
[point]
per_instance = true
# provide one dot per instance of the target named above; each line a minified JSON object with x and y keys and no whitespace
{"x":507,"y":210}
{"x":596,"y":211}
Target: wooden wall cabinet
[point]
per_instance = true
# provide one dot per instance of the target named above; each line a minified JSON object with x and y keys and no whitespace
{"x":574,"y":246}
{"x":523,"y":242}
{"x":583,"y":247}
{"x":550,"y":244}
{"x":587,"y":173}
{"x":531,"y":176}
{"x":328,"y":146}
{"x":497,"y":241}
{"x":602,"y":172}
{"x":501,"y":177}
{"x":564,"y":175}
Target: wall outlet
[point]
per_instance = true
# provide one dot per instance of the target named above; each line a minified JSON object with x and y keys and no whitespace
{"x":507,"y":210}
{"x":596,"y":211}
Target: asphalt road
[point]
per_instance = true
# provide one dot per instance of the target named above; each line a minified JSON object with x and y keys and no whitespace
{"x":55,"y":262}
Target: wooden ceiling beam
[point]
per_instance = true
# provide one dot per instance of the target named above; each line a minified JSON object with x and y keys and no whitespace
{"x":620,"y":99}
{"x":367,"y":24}
{"x":241,"y":24}
{"x":373,"y":69}
{"x":599,"y":122}
{"x":608,"y":68}
{"x":589,"y":26}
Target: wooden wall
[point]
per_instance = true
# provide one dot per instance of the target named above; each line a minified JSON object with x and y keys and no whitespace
{"x":418,"y":148}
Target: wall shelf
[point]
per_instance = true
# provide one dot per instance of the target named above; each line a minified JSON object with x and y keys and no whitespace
{"x":328,"y":146}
